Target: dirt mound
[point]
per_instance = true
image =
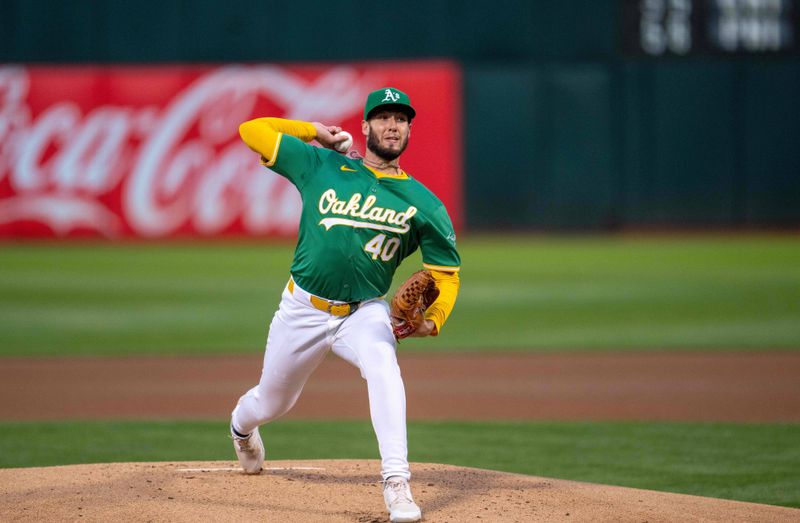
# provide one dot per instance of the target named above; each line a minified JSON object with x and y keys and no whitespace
{"x":336,"y":491}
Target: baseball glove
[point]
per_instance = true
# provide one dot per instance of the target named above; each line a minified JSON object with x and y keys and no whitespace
{"x":410,"y":301}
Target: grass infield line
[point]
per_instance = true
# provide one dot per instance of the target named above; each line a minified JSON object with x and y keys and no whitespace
{"x":747,"y":462}
{"x":518,"y":293}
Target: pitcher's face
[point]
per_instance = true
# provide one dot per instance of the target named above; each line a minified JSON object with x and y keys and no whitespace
{"x":387,"y":133}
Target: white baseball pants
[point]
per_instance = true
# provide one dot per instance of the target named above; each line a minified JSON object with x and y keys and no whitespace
{"x":300,"y":336}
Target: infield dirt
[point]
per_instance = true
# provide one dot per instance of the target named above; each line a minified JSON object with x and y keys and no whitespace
{"x":338,"y":491}
{"x":639,"y":386}
{"x":652,"y":386}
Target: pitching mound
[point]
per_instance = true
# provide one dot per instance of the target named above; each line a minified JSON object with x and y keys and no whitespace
{"x":336,"y":491}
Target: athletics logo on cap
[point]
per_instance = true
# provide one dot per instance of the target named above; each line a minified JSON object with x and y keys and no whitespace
{"x":391,"y":96}
{"x":388,"y":98}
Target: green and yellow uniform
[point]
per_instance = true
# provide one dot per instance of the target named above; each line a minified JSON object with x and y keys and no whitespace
{"x":357,"y":224}
{"x":356,"y":227}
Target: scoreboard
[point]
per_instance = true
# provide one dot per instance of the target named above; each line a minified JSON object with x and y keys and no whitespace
{"x":710,"y":27}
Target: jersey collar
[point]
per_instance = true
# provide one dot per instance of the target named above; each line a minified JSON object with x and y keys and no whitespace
{"x":378,"y":174}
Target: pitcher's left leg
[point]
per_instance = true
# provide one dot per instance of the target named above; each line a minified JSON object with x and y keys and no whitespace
{"x":365,"y":340}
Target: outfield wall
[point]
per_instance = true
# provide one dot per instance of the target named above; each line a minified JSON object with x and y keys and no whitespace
{"x":154,"y":151}
{"x":584,"y":115}
{"x":606,"y":145}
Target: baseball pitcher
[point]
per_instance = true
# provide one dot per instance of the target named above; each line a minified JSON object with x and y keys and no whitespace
{"x":360,"y":218}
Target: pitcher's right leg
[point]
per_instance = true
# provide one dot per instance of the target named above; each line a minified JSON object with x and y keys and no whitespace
{"x":296,"y":345}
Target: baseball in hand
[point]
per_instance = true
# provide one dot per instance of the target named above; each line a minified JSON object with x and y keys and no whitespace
{"x":344,"y":146}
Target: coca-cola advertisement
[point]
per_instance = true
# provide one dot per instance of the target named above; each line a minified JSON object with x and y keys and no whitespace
{"x":126,"y":152}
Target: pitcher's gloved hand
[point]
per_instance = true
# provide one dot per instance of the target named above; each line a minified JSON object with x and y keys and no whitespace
{"x":410,"y":301}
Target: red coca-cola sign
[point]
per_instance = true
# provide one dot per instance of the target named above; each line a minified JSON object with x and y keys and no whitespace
{"x":154,"y":152}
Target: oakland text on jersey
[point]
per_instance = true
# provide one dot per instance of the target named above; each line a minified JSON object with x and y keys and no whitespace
{"x":329,"y":202}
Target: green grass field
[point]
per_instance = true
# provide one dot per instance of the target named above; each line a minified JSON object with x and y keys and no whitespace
{"x":757,"y":463}
{"x":521,"y":294}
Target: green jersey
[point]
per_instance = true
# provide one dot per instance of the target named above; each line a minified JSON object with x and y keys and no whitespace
{"x":356,"y":227}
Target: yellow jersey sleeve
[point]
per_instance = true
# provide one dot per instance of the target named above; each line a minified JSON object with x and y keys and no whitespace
{"x":263,"y":135}
{"x":448,"y":284}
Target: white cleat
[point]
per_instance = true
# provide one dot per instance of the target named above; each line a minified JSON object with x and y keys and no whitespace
{"x":399,"y":502}
{"x":250,"y":451}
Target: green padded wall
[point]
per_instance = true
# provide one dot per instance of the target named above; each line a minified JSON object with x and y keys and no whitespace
{"x":563,"y":131}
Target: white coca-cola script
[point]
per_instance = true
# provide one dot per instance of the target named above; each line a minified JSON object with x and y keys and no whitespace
{"x":170,"y":168}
